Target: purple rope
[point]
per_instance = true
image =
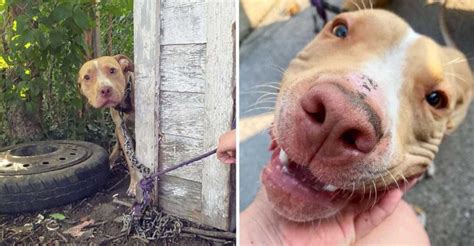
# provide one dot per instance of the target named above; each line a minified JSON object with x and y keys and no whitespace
{"x":320,"y":9}
{"x":146,"y":184}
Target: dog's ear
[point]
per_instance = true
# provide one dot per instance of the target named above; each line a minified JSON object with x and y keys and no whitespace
{"x":125,"y":63}
{"x":461,"y":80}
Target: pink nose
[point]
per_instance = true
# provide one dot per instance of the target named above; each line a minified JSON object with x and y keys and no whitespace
{"x":105,"y":91}
{"x":342,"y":124}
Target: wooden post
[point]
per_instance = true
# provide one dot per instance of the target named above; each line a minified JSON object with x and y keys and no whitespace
{"x":217,"y":195}
{"x":146,"y":15}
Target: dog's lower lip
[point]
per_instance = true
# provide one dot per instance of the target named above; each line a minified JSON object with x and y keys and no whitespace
{"x":317,"y":186}
{"x":108,"y":104}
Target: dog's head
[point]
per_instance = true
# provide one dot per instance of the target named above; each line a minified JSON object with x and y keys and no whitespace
{"x":361,"y":108}
{"x":103,"y":80}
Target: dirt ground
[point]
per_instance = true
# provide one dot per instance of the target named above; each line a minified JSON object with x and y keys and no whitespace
{"x":97,"y":220}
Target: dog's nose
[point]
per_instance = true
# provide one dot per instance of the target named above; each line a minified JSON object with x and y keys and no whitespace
{"x":105,"y":91}
{"x":342,"y":124}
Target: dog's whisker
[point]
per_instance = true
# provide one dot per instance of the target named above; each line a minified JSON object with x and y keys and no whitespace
{"x":266,"y":86}
{"x":259,"y":92}
{"x":277,"y":88}
{"x":363,"y":4}
{"x":456,"y":76}
{"x":272,"y":83}
{"x":456,"y":61}
{"x":405,"y":181}
{"x":281,"y":70}
{"x":375,"y":195}
{"x":363,"y":192}
{"x":265,"y":96}
{"x":384,"y":183}
{"x":355,"y":4}
{"x":370,"y":197}
{"x":352,"y":192}
{"x":394,"y":179}
{"x":260,"y":108}
{"x":262,"y":102}
{"x":371,"y":5}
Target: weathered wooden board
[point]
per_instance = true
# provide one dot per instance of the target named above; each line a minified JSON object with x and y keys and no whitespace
{"x":180,"y":3}
{"x":185,"y":93}
{"x":147,"y":81}
{"x":180,"y":197}
{"x":217,"y":195}
{"x":183,"y":23}
{"x":183,"y":67}
{"x":175,"y":149}
{"x":182,"y":114}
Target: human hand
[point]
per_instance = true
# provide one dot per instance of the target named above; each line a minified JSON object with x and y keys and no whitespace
{"x":226,"y":147}
{"x":389,"y":219}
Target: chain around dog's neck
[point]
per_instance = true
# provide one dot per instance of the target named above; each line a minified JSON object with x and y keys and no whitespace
{"x":125,"y":106}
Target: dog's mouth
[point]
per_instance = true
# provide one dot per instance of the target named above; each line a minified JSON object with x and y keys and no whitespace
{"x":299,"y":195}
{"x":109,"y":103}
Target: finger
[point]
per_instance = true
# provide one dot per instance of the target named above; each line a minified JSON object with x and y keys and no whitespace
{"x":368,"y":220}
{"x":226,"y":158}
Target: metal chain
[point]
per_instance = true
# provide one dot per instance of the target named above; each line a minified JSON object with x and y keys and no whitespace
{"x":147,"y":222}
{"x":129,"y":149}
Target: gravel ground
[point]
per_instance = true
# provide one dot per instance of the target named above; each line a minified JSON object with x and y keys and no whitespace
{"x":448,"y":198}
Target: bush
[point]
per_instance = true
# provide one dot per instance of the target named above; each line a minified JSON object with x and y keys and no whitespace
{"x":43,"y":47}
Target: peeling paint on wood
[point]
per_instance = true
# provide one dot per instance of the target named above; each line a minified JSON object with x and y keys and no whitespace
{"x":183,"y":23}
{"x":175,"y":149}
{"x":182,"y":114}
{"x":216,"y":177}
{"x":185,"y":93}
{"x":183,"y":67}
{"x":181,"y":197}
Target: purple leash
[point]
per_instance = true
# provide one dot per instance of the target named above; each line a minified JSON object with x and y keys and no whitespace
{"x":146,"y":184}
{"x":320,"y":9}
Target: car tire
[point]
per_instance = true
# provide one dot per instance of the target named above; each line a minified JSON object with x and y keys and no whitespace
{"x":40,"y":175}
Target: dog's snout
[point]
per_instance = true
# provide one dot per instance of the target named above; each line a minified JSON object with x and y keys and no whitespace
{"x":106,"y":91}
{"x":339,"y":122}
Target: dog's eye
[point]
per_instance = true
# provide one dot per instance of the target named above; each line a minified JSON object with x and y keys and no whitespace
{"x":340,"y":31}
{"x":437,"y":99}
{"x":87,"y":77}
{"x":112,"y":70}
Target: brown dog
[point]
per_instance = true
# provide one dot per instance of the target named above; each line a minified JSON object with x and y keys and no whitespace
{"x":103,"y":81}
{"x":361,"y":108}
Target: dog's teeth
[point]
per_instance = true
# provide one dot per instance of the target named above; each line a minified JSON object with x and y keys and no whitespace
{"x":284,"y":169}
{"x":330,"y":188}
{"x":283,"y":158}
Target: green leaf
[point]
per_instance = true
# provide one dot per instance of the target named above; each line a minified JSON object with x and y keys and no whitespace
{"x":61,"y":12}
{"x":43,"y":42}
{"x":81,"y":19}
{"x":56,"y":39}
{"x":57,"y":216}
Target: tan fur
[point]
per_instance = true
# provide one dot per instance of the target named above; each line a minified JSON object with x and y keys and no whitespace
{"x":98,"y":71}
{"x":428,"y":69}
{"x":420,"y":127}
{"x":353,"y":5}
